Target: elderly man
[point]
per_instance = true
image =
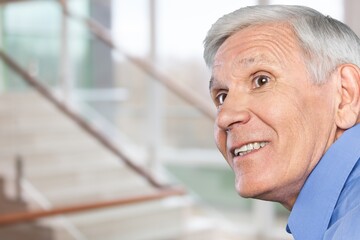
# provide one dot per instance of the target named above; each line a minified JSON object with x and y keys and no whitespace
{"x":286,"y":84}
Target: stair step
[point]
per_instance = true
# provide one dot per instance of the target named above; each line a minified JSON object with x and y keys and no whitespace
{"x":151,"y":220}
{"x":96,"y":193}
{"x":67,"y":166}
{"x":48,"y":170}
{"x":21,"y":96}
{"x":83,"y":177}
{"x":56,"y":146}
{"x":28,"y":231}
{"x":35,"y":124}
{"x":8,"y":140}
{"x":34,"y":163}
{"x":18,"y":130}
{"x":85,"y":185}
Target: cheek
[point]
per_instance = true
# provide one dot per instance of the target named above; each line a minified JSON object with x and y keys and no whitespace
{"x":285,"y":107}
{"x":287,"y":115}
{"x":297,"y":144}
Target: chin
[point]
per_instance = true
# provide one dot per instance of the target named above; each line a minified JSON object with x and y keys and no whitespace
{"x":255,"y":190}
{"x":246,"y":192}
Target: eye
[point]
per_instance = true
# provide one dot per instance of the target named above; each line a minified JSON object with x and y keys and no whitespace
{"x":260,"y":81}
{"x":220,"y":98}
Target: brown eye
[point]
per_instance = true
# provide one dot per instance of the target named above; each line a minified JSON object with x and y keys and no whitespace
{"x":260,"y":81}
{"x":220,"y":98}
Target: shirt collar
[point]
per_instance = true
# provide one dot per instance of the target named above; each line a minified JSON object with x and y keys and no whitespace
{"x":311,"y":213}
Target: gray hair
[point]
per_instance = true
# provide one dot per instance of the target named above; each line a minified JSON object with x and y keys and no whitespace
{"x":326,"y":42}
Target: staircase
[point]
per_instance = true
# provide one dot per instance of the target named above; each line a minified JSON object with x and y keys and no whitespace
{"x":48,"y":161}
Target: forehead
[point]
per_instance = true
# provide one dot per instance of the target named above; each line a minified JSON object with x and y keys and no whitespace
{"x":265,"y":44}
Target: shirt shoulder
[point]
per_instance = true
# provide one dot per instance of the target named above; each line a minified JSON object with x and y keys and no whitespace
{"x":346,"y":227}
{"x":329,"y":202}
{"x":349,"y":198}
{"x":346,"y":215}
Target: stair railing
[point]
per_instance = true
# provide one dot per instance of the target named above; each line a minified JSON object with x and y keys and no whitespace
{"x":185,"y":93}
{"x":12,"y":218}
{"x":44,"y":91}
{"x":165,"y":190}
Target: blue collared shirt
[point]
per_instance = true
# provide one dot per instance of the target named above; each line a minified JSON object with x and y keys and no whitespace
{"x":328,"y":206}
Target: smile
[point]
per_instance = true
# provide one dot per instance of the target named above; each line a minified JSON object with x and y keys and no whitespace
{"x":247,"y":148}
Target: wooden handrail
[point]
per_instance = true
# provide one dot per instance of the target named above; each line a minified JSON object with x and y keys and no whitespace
{"x":42,"y":89}
{"x":13,"y":218}
{"x":11,"y":1}
{"x":185,"y":93}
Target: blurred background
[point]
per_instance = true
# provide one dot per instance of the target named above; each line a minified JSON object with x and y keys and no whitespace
{"x":106,"y":126}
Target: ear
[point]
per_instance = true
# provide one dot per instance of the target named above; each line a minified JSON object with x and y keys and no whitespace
{"x":349,"y":96}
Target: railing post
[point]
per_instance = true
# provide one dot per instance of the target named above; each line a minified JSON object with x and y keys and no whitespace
{"x":156,"y":115}
{"x":2,"y":75}
{"x":19,"y":176}
{"x":65,"y":80}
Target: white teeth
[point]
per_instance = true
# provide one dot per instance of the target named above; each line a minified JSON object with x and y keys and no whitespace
{"x":245,"y":149}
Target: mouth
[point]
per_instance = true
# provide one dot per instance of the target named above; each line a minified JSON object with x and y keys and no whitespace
{"x":248,"y":148}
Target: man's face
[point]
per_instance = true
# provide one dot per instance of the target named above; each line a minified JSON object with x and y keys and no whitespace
{"x":273,"y":124}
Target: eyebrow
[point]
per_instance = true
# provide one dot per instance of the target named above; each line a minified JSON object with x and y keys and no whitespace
{"x":261,"y":59}
{"x":211,"y":82}
{"x":246,"y":62}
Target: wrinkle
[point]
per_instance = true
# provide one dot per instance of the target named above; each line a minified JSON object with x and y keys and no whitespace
{"x":260,"y":49}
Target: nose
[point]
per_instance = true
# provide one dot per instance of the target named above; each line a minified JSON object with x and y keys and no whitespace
{"x":232,"y":113}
